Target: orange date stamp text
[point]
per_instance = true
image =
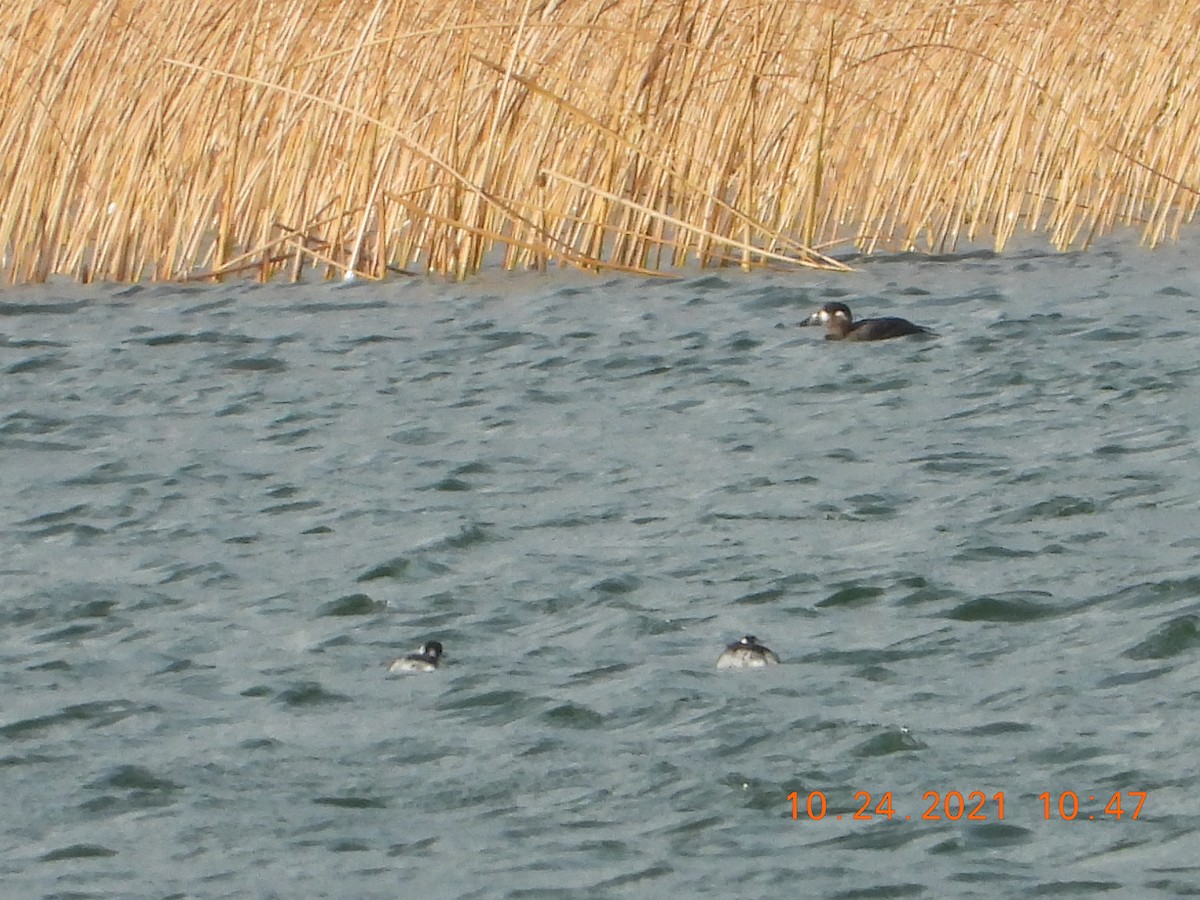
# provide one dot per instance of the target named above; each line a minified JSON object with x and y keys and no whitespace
{"x":971,"y":806}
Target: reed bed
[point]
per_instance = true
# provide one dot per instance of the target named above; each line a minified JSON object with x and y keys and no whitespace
{"x":145,"y":139}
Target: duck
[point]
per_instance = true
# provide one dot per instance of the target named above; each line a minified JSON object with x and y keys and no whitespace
{"x":840,"y":325}
{"x":426,"y":659}
{"x":746,"y":653}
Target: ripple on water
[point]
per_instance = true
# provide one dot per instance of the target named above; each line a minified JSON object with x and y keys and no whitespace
{"x":1178,"y":636}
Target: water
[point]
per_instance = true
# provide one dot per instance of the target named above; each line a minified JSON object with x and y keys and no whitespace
{"x":226,"y":508}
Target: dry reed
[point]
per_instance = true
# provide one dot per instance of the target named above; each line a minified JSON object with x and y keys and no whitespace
{"x":143,"y":139}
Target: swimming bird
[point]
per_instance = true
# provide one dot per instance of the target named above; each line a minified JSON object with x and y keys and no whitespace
{"x":746,"y":653}
{"x":426,"y":659}
{"x":840,"y":325}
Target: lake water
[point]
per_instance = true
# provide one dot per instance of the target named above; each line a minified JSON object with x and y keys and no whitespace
{"x":226,"y":508}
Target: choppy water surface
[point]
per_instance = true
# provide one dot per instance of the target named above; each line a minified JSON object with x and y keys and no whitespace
{"x":226,"y":508}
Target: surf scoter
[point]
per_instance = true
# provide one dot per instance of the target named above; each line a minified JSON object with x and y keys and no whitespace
{"x":840,"y":325}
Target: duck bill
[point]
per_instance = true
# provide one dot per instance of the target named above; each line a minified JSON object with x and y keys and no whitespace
{"x":814,"y":319}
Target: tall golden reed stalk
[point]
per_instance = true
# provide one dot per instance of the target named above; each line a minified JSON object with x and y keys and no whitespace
{"x":144,"y":138}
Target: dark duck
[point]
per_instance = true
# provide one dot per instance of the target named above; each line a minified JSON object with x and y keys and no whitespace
{"x":840,"y":325}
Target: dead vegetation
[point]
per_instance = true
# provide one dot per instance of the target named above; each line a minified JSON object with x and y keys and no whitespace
{"x":201,"y":139}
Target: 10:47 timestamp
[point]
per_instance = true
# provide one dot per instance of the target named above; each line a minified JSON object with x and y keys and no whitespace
{"x":974,"y":806}
{"x":1067,"y":806}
